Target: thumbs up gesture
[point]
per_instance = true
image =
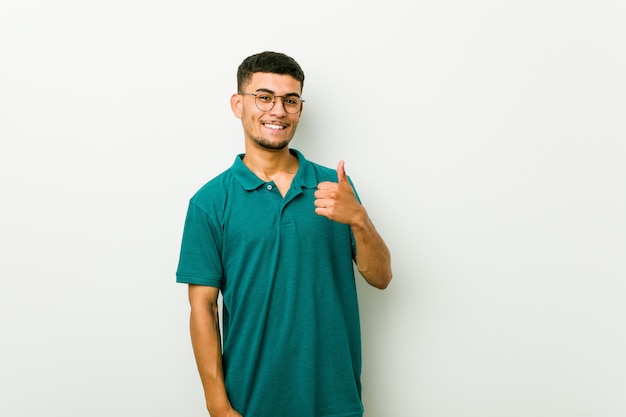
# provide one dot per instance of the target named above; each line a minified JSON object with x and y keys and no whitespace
{"x":336,"y":200}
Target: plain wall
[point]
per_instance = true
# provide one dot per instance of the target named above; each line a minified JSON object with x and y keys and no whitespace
{"x":486,"y":139}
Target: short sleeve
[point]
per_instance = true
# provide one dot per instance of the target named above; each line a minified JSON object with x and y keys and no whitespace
{"x":200,"y":254}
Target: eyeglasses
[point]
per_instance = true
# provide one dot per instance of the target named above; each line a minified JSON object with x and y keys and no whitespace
{"x":265,"y":101}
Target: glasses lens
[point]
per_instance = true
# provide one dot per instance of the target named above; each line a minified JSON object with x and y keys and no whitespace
{"x":265,"y":101}
{"x":291,"y":104}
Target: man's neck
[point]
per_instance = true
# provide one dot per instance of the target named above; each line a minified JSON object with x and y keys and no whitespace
{"x":268,"y":165}
{"x":277,"y":166}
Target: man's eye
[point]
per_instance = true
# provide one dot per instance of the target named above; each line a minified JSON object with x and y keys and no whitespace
{"x":265,"y":97}
{"x":292,"y":101}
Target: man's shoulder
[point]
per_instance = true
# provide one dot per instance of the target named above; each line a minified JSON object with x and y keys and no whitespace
{"x":324,"y":173}
{"x":214,"y":188}
{"x":321,"y":172}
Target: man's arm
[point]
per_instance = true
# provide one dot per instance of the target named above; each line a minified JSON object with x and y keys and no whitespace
{"x":207,"y":348}
{"x":338,"y":202}
{"x":373,"y":259}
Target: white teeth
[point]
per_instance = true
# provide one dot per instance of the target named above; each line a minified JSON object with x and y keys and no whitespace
{"x":275,"y":127}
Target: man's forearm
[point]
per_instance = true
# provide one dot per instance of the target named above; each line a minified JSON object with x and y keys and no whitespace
{"x":372,"y":255}
{"x":206,"y":341}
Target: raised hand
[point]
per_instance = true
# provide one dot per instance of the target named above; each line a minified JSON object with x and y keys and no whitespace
{"x":336,"y":200}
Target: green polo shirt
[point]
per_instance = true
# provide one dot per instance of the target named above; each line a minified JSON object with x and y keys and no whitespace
{"x":291,"y":332}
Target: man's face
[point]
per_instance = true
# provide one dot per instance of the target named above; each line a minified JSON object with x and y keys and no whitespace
{"x":272,"y":129}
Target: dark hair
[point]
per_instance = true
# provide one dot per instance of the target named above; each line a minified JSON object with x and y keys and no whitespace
{"x":271,"y":62}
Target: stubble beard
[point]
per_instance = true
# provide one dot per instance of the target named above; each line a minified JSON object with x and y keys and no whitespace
{"x":269,"y":145}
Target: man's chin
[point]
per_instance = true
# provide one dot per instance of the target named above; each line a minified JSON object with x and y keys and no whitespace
{"x":271,"y":146}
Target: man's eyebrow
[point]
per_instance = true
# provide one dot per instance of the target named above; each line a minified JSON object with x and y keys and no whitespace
{"x":267,"y":90}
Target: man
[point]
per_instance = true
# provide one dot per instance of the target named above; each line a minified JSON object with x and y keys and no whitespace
{"x":277,"y":235}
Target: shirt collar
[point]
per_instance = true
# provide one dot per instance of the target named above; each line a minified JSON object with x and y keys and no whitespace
{"x":305,"y":177}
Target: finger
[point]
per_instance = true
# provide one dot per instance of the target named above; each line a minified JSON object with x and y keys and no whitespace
{"x":341,"y":173}
{"x":320,"y":194}
{"x":326,"y":185}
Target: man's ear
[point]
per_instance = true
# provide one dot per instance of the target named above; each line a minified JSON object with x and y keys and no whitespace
{"x":236,"y":105}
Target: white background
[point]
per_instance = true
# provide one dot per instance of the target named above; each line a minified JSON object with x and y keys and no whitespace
{"x":487,"y":140}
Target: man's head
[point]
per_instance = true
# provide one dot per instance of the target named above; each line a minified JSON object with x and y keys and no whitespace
{"x":268,"y":100}
{"x":268,"y":62}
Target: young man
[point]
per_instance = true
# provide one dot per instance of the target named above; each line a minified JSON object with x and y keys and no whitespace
{"x":277,"y":235}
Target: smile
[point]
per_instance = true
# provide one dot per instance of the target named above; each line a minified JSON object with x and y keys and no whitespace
{"x":273,"y":126}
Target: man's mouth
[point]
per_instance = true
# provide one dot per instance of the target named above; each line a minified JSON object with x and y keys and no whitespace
{"x":274,"y":126}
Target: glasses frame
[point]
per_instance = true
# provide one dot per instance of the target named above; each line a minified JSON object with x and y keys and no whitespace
{"x":273,"y":102}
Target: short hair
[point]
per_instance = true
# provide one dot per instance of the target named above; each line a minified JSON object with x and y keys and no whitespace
{"x":270,"y":62}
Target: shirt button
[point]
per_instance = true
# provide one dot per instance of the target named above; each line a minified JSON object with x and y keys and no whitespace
{"x":269,"y":187}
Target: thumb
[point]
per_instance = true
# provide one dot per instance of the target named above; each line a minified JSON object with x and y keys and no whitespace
{"x":341,"y":173}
